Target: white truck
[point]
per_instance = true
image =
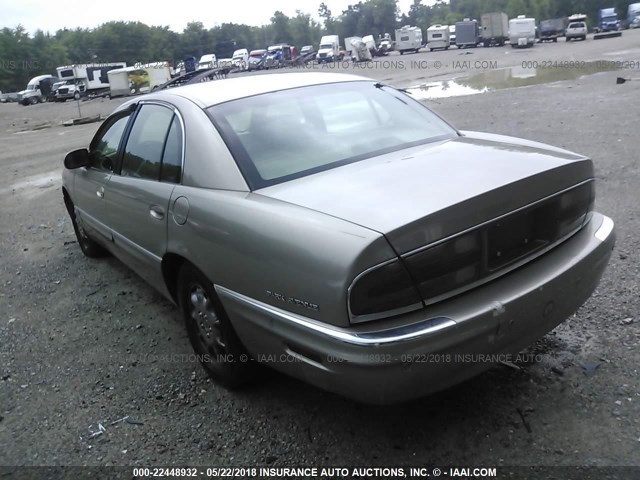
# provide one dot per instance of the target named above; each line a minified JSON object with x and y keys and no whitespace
{"x":329,"y":50}
{"x":522,"y":32}
{"x":139,"y":79}
{"x":207,"y":61}
{"x":86,"y":79}
{"x":37,"y":91}
{"x":408,"y":39}
{"x":241,"y":58}
{"x":438,"y":37}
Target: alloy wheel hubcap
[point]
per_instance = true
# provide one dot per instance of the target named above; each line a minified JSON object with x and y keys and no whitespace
{"x":206,"y":321}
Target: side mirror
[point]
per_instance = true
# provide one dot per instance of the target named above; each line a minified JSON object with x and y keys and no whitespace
{"x":77,"y":159}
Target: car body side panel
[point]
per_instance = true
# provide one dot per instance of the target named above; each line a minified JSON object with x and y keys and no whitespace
{"x":137,"y":214}
{"x":255,"y":245}
{"x":88,"y":197}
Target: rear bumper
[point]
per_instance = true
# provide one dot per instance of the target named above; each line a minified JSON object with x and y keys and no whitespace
{"x":425,"y":351}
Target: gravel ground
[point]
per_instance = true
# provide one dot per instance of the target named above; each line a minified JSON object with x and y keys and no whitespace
{"x":85,"y":343}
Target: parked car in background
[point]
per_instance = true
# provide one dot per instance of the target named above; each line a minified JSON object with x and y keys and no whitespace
{"x":576,"y":31}
{"x":635,"y":23}
{"x":307,"y":49}
{"x":334,"y":228}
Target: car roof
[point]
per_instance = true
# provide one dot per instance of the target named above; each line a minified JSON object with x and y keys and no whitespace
{"x":207,"y":94}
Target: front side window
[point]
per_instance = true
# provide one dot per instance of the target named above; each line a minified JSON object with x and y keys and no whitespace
{"x":104,"y":148}
{"x":283,"y":135}
{"x":145,"y":145}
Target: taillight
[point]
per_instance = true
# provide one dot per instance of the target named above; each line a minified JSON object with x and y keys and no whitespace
{"x":383,"y":291}
{"x":448,"y":266}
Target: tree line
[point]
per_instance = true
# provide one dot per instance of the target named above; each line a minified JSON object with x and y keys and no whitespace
{"x":23,"y":56}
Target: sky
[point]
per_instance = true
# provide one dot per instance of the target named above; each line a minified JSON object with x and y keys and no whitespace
{"x":49,"y":15}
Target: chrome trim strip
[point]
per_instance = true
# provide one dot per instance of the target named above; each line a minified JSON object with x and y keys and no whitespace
{"x":118,"y":237}
{"x":390,"y":336}
{"x":605,"y":229}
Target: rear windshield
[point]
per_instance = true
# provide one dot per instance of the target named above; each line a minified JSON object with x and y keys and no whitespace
{"x":280,"y":136}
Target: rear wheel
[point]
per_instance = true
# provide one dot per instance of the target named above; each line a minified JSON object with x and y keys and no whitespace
{"x":210,"y":332}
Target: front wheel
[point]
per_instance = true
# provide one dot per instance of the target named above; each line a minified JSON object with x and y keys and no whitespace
{"x":89,"y":247}
{"x":210,"y":332}
{"x":76,"y":96}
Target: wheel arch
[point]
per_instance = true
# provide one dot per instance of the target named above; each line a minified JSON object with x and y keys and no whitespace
{"x":170,"y":266}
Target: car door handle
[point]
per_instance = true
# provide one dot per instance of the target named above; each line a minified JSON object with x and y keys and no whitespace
{"x":156,"y":212}
{"x":100,"y":192}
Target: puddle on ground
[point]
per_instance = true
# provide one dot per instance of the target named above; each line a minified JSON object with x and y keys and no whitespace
{"x":507,"y":78}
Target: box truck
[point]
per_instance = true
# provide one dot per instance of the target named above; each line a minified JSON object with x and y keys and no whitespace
{"x":467,"y":33}
{"x":88,"y":79}
{"x":495,"y":29}
{"x":135,"y":80}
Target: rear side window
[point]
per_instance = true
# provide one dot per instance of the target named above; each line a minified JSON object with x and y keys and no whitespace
{"x":172,"y":157}
{"x":145,"y":146}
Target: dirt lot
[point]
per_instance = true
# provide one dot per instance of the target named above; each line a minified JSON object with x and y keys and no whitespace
{"x":86,"y":342}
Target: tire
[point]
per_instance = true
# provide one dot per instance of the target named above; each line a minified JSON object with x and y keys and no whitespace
{"x":210,"y":332}
{"x":89,"y":247}
{"x":402,"y":52}
{"x":76,"y":95}
{"x":33,"y":100}
{"x":568,"y":39}
{"x":584,"y":38}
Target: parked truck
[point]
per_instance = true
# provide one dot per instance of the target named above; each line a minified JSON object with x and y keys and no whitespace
{"x":408,"y":39}
{"x":88,"y":79}
{"x":329,"y":50}
{"x":139,"y":79}
{"x":608,"y":20}
{"x":467,"y":33}
{"x":495,"y":29}
{"x":632,"y":12}
{"x":37,"y":90}
{"x":552,"y":29}
{"x":522,"y":31}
